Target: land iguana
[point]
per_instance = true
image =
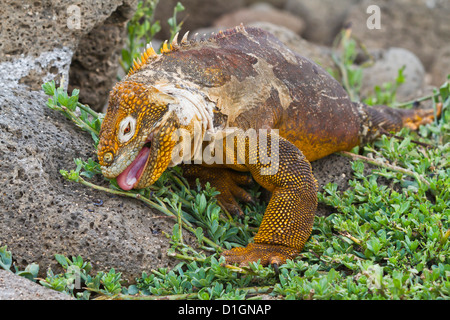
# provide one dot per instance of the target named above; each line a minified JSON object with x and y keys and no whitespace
{"x":240,"y":80}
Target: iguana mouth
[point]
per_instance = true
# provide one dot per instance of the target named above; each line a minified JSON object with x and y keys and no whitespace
{"x":130,"y":177}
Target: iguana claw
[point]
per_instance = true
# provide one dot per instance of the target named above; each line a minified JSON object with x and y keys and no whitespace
{"x":267,"y":254}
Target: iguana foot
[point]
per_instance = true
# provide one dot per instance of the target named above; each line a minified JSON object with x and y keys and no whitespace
{"x":268,"y":254}
{"x":226,"y":181}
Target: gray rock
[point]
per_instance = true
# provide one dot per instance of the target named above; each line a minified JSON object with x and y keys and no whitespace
{"x":440,"y":68}
{"x":317,"y":53}
{"x":276,"y":3}
{"x":197,"y":14}
{"x":95,"y":63}
{"x":261,"y":12}
{"x":13,"y":287}
{"x":335,"y":169}
{"x":41,"y":214}
{"x":421,"y":26}
{"x":92,"y":29}
{"x":385,"y":69}
{"x":323,"y":18}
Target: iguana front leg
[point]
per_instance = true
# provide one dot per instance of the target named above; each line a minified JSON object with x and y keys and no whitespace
{"x":226,"y":181}
{"x":289,"y":216}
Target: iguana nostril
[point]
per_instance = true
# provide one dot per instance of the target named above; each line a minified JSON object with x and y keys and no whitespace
{"x":108,"y":157}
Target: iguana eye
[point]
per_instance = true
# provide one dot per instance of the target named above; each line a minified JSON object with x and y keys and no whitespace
{"x":126,"y":129}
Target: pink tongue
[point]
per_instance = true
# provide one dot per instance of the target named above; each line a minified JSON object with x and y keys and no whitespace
{"x":130,"y":176}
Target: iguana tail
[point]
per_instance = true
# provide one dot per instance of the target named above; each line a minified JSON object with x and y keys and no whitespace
{"x":379,"y":119}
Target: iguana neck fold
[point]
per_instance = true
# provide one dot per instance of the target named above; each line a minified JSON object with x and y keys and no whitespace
{"x":194,"y":113}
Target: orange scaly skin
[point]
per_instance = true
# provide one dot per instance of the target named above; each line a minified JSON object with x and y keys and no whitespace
{"x":244,"y":79}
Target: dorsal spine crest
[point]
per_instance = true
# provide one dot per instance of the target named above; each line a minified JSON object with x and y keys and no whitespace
{"x":149,"y":53}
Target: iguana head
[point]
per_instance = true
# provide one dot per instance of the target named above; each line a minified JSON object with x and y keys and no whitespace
{"x":136,"y":135}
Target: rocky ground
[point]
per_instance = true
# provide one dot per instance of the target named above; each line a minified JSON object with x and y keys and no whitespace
{"x":42,"y":215}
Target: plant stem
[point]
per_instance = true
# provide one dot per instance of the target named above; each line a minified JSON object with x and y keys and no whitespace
{"x":77,"y":121}
{"x":444,"y":238}
{"x":186,"y":224}
{"x":127,"y":194}
{"x":185,"y":296}
{"x":404,"y":104}
{"x":349,"y":236}
{"x":385,"y":165}
{"x":425,"y":145}
{"x":184,"y":257}
{"x":88,"y":110}
{"x":180,"y":224}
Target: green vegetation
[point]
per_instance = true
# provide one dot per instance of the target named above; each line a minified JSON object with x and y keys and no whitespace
{"x":142,"y":28}
{"x":6,"y":262}
{"x":386,"y":238}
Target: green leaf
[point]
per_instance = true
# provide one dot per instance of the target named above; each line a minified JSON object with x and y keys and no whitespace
{"x":63,"y":98}
{"x":5,"y":258}
{"x":49,"y":88}
{"x":444,"y":90}
{"x":72,"y":102}
{"x":199,"y":234}
{"x":75,"y":92}
{"x":132,"y":290}
{"x":126,"y":57}
{"x":63,"y":261}
{"x":179,"y":7}
{"x":31,"y":272}
{"x":172,"y":22}
{"x":155,"y":28}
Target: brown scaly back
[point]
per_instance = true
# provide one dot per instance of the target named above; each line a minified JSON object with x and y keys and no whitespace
{"x":150,"y":54}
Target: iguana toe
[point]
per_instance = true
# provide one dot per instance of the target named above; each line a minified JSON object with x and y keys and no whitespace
{"x":226,"y":181}
{"x":267,"y":254}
